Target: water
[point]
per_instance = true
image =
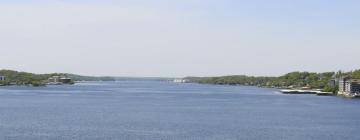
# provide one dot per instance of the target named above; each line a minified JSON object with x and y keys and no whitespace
{"x":152,"y":110}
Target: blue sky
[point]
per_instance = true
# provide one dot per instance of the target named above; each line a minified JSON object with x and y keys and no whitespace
{"x":179,"y":38}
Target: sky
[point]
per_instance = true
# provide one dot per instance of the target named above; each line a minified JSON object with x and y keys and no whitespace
{"x":176,"y":38}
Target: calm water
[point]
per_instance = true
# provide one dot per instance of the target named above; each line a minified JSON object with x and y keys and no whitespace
{"x":140,"y":110}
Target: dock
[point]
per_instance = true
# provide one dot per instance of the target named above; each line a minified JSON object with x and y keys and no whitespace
{"x":295,"y":91}
{"x":325,"y":94}
{"x":299,"y":91}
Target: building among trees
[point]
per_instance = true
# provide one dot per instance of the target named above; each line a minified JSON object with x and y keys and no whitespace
{"x":2,"y":78}
{"x":349,"y":87}
{"x":59,"y":80}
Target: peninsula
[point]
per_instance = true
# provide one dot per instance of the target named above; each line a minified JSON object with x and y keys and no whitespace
{"x":11,"y":77}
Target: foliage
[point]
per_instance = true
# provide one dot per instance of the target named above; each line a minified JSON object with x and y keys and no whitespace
{"x":356,"y":74}
{"x":294,"y":79}
{"x":24,"y":78}
{"x":334,"y":90}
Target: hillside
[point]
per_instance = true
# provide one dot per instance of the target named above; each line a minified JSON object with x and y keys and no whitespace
{"x":26,"y":78}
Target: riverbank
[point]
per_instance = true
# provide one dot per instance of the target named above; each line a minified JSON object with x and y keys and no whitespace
{"x":326,"y":81}
{"x":11,"y":77}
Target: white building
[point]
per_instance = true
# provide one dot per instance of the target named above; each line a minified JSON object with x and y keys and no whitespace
{"x":181,"y":81}
{"x":348,"y":86}
{"x":55,"y":80}
{"x":2,"y":78}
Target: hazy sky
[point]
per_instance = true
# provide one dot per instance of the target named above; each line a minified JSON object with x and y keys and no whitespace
{"x":179,"y":37}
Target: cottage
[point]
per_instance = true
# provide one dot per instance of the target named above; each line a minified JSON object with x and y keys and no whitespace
{"x":54,"y":79}
{"x":59,"y":80}
{"x":2,"y":78}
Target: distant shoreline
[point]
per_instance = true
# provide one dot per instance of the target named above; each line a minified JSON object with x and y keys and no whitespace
{"x":11,"y":77}
{"x":325,"y":82}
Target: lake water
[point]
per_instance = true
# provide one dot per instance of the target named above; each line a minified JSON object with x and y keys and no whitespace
{"x":153,"y":110}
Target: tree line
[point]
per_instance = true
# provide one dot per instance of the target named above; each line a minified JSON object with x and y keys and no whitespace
{"x":293,"y":80}
{"x":24,"y":78}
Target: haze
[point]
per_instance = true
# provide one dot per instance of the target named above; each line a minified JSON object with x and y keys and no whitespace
{"x":179,"y":37}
